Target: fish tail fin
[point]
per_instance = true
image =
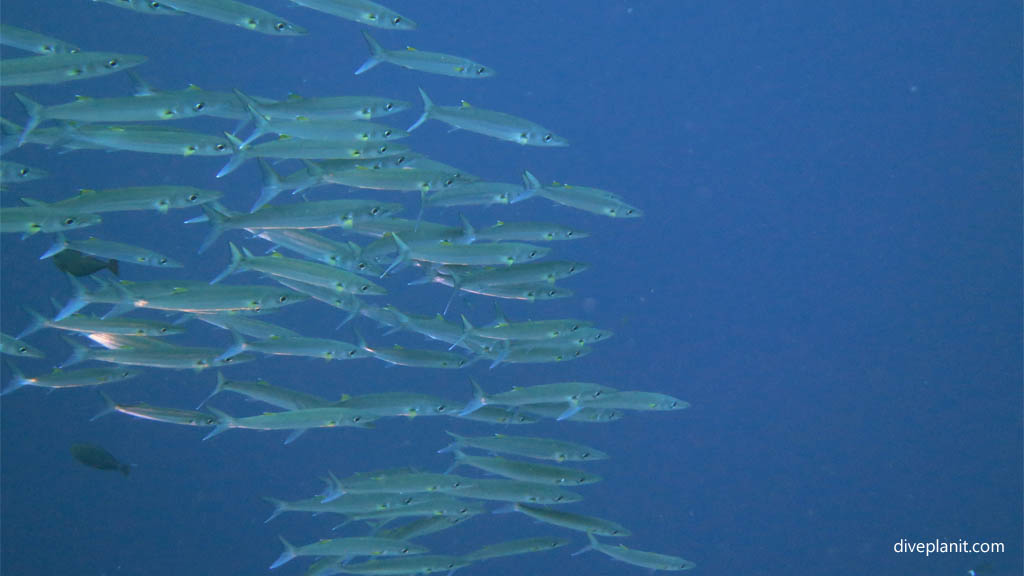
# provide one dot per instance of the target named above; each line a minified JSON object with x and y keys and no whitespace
{"x":288,"y":554}
{"x":479,"y":400}
{"x":530,"y":182}
{"x":77,"y":301}
{"x":272,"y":184}
{"x":59,"y":245}
{"x":334,"y":488}
{"x":468,"y":232}
{"x":17,"y":379}
{"x":217,"y":218}
{"x":428,"y":107}
{"x":35,"y":115}
{"x":467,"y":329}
{"x":38,"y":323}
{"x":279,"y":508}
{"x":376,"y":50}
{"x":224,"y":421}
{"x":573,"y":408}
{"x":403,"y":255}
{"x":108,"y":407}
{"x":591,"y":546}
{"x":237,"y":158}
{"x":259,"y":118}
{"x":236,"y":259}
{"x":79,"y":353}
{"x":216,"y":389}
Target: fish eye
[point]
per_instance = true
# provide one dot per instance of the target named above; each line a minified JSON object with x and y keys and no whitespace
{"x":282,"y":298}
{"x":219,"y":147}
{"x":387,"y":133}
{"x":389,"y":106}
{"x":199,"y":106}
{"x":572,"y":268}
{"x":585,"y":455}
{"x":69,"y":221}
{"x":112,"y":63}
{"x":442,"y":408}
{"x":375,"y":210}
{"x":396,"y":20}
{"x":400,"y":160}
{"x":547,"y":137}
{"x":193,"y":197}
{"x":383,"y":149}
{"x":558,"y":498}
{"x":405,"y":550}
{"x":569,"y":233}
{"x":357,"y":418}
{"x":163,"y":330}
{"x":22,"y":349}
{"x":23,"y":171}
{"x":280,"y":26}
{"x":191,"y":149}
{"x":481,"y":70}
{"x":449,"y":182}
{"x":163,"y":260}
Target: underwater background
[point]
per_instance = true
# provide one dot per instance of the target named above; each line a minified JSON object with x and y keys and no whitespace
{"x":828,"y":269}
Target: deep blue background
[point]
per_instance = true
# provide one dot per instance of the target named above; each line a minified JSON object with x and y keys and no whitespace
{"x":829,"y":270}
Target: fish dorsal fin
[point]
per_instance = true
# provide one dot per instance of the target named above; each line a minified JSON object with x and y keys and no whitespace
{"x":284,"y":137}
{"x":193,"y":88}
{"x":499,"y":224}
{"x":276,"y":255}
{"x":81,"y":98}
{"x":466,"y":104}
{"x":410,"y":48}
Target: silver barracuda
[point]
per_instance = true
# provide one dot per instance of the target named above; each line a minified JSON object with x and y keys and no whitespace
{"x":422,"y":61}
{"x":497,"y":125}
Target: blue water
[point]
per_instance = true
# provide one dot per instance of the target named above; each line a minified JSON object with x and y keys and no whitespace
{"x":829,"y":270}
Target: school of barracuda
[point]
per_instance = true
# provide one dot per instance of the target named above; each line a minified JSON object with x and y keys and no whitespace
{"x":344,"y":253}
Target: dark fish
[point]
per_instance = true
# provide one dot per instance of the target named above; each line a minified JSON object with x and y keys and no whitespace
{"x":77,"y":264}
{"x":97,"y":457}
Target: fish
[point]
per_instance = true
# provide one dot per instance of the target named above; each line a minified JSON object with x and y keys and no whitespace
{"x":324,"y":348}
{"x":348,"y":547}
{"x":593,"y":200}
{"x":159,"y":198}
{"x":33,"y":41}
{"x":425,"y":564}
{"x":78,"y":264}
{"x":86,"y":377}
{"x":515,"y":548}
{"x":650,"y":560}
{"x":539,"y":448}
{"x":408,"y":404}
{"x":263,"y":391}
{"x":39,"y":217}
{"x":313,"y":273}
{"x":394,"y":482}
{"x":525,"y":471}
{"x":298,"y":421}
{"x":285,"y":148}
{"x":361,"y":11}
{"x":238,"y":14}
{"x":166,"y":356}
{"x":12,"y":346}
{"x":143,"y":138}
{"x":574,"y":394}
{"x":498,"y":125}
{"x":93,"y":325}
{"x":15,"y":173}
{"x":422,"y":61}
{"x":421,"y":527}
{"x":504,"y":490}
{"x":159,"y":414}
{"x":635,"y":400}
{"x":144,"y":6}
{"x":528,"y":232}
{"x":139,"y":108}
{"x":58,"y":68}
{"x":117,"y":251}
{"x":297,"y":107}
{"x":343,"y":213}
{"x":588,"y":524}
{"x":491,"y":254}
{"x":97,"y":457}
{"x":313,"y":246}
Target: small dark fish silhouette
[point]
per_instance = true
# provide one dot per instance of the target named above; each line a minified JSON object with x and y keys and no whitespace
{"x":78,"y":264}
{"x":97,"y":457}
